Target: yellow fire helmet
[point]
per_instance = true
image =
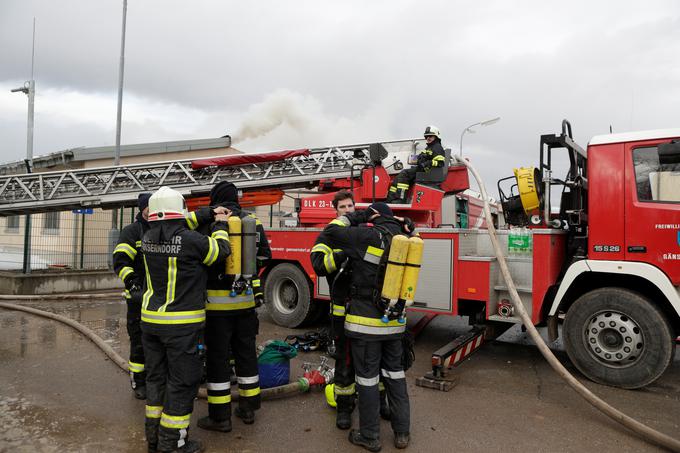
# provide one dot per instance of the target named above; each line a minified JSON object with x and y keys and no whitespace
{"x":330,"y":395}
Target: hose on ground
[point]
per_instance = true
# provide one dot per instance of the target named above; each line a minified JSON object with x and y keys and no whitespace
{"x":301,"y":386}
{"x":637,"y":427}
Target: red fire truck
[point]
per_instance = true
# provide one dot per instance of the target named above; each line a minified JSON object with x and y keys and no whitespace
{"x":605,"y":260}
{"x":606,"y":266}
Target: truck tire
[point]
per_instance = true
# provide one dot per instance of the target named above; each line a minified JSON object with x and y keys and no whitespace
{"x":617,"y":337}
{"x":288,"y":297}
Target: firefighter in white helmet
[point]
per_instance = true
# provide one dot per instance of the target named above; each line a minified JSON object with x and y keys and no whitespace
{"x":432,"y":156}
{"x":173,"y":316}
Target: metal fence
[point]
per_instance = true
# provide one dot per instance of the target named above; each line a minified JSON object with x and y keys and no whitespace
{"x":80,"y":239}
{"x":84,"y":239}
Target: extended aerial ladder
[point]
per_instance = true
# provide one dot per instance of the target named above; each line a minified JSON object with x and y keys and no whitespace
{"x":116,"y":186}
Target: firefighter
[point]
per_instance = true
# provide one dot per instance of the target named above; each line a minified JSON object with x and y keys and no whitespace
{"x":173,"y":316}
{"x":432,"y":156}
{"x":128,"y":263}
{"x":327,"y":261}
{"x":231,"y":330}
{"x":376,"y":346}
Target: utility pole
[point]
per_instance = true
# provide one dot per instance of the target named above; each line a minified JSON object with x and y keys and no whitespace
{"x":29,"y":90}
{"x":119,"y":112}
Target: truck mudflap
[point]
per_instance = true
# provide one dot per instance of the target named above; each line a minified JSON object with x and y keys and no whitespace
{"x":449,"y":356}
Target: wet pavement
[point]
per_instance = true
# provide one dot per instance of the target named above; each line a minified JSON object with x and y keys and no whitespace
{"x":58,"y":393}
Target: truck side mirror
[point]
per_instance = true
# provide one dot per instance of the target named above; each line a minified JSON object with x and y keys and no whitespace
{"x":669,"y":153}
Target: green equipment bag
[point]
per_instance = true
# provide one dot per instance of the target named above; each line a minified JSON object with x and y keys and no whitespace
{"x":273,"y":363}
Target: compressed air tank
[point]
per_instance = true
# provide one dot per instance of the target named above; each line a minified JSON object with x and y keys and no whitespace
{"x":395,"y":267}
{"x":249,"y":247}
{"x":414,"y":259}
{"x":234,"y":260}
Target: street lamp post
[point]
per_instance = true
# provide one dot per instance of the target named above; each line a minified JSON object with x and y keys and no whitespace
{"x":29,"y":90}
{"x":119,"y":110}
{"x":470,"y":130}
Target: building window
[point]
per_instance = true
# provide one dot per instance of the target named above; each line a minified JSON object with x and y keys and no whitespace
{"x":12,"y":224}
{"x":51,"y":222}
{"x":657,"y":176}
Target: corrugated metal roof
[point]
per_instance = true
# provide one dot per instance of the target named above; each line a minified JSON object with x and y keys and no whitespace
{"x":107,"y":152}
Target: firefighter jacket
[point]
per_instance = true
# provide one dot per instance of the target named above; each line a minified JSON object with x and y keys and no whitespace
{"x":329,"y":261}
{"x":364,"y":246}
{"x":176,"y":261}
{"x":432,"y":156}
{"x":220,"y":300}
{"x":128,"y":262}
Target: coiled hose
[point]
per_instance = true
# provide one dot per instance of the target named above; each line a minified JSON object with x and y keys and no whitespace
{"x":302,"y":385}
{"x":640,"y":429}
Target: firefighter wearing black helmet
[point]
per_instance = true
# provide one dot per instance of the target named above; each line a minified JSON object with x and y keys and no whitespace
{"x":432,"y":156}
{"x":231,"y":330}
{"x":173,"y":316}
{"x":376,"y":346}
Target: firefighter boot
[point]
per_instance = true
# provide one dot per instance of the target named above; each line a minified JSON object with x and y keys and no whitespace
{"x":358,"y":439}
{"x":385,"y":412}
{"x":214,"y":425}
{"x":190,"y":446}
{"x":392,"y":195}
{"x":140,"y":392}
{"x":401,"y":440}
{"x":343,"y":420}
{"x":246,"y":414}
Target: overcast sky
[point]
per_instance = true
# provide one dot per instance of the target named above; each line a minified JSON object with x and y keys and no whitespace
{"x":318,"y":72}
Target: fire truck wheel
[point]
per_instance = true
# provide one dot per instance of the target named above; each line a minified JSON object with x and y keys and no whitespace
{"x":288,"y":296}
{"x":617,"y":337}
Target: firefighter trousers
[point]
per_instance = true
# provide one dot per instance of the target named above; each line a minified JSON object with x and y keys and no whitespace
{"x":373,"y":358}
{"x":344,"y":375}
{"x":345,"y":388}
{"x":134,"y":329}
{"x":401,"y":185}
{"x":173,"y":374}
{"x":226,"y":337}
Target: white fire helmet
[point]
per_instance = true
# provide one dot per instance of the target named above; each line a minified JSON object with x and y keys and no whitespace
{"x":432,"y":130}
{"x":166,"y":204}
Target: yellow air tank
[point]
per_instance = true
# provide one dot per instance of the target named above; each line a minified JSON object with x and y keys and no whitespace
{"x":414,"y":259}
{"x":395,"y":268}
{"x":234,"y":260}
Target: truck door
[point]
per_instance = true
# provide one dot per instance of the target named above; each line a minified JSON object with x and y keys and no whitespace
{"x":652,"y":212}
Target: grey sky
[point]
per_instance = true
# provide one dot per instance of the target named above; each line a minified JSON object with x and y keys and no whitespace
{"x":340,"y":72}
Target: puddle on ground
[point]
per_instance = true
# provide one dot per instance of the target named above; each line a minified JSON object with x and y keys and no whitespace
{"x":36,"y":334}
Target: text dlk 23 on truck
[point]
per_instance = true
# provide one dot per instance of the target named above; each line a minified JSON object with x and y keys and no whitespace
{"x":606,"y":267}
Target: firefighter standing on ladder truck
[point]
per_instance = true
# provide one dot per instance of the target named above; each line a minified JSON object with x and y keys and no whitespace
{"x":332,"y":263}
{"x":173,"y":316}
{"x":376,"y":345}
{"x":231,"y":329}
{"x":128,"y":263}
{"x":432,"y":156}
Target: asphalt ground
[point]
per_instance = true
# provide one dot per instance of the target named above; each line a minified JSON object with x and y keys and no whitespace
{"x":59,"y":393}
